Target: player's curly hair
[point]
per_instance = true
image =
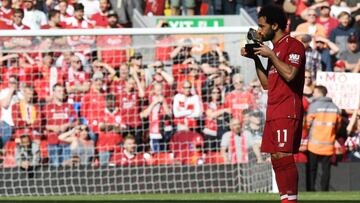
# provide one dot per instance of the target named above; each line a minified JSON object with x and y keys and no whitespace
{"x":274,"y":14}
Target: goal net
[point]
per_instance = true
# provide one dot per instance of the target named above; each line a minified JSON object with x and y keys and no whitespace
{"x":116,"y":111}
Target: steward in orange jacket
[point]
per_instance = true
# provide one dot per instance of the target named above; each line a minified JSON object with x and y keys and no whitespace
{"x":322,"y":121}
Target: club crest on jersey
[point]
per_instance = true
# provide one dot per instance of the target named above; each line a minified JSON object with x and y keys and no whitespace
{"x":294,"y":58}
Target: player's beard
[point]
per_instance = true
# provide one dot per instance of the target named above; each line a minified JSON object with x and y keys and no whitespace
{"x":269,"y":35}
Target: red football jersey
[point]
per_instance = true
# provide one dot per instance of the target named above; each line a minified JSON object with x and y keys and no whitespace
{"x":120,"y":158}
{"x":129,"y":107}
{"x":26,"y":75}
{"x":117,"y":86}
{"x":74,"y":77}
{"x":329,"y":24}
{"x":184,"y":145}
{"x":92,"y":108}
{"x":99,"y":19}
{"x":58,"y":115}
{"x":6,"y":15}
{"x":285,"y":98}
{"x":107,"y":141}
{"x":27,"y":117}
{"x":43,"y":85}
{"x":238,"y":102}
{"x":154,"y":7}
{"x":211,"y":123}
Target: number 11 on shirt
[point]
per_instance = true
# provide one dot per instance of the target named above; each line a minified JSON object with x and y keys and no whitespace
{"x":284,"y":135}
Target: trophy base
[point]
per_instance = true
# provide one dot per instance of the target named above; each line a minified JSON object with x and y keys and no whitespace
{"x":250,"y":48}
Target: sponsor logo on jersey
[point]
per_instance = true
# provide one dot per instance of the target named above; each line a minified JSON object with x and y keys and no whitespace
{"x":294,"y":58}
{"x":281,"y":144}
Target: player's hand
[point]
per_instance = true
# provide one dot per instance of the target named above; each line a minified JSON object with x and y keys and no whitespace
{"x":243,"y":52}
{"x":263,"y":51}
{"x":246,"y":54}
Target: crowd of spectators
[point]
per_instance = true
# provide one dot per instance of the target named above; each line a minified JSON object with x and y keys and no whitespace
{"x":90,"y":100}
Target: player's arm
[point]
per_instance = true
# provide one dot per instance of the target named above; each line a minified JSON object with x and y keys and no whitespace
{"x":286,"y":69}
{"x":261,"y":73}
{"x":288,"y":72}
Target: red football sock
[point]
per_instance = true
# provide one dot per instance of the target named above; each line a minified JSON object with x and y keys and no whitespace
{"x":284,"y":200}
{"x":280,"y":177}
{"x":288,"y":201}
{"x":292,"y":178}
{"x":286,"y":178}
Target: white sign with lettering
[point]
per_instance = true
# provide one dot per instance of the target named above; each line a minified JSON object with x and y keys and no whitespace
{"x":343,"y":88}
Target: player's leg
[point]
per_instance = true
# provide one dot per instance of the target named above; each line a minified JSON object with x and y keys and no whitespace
{"x":280,"y":176}
{"x":289,"y":174}
{"x":268,"y":146}
{"x":294,"y":128}
{"x":286,"y":141}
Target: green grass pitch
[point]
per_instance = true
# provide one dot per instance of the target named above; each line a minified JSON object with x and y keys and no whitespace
{"x":196,"y":197}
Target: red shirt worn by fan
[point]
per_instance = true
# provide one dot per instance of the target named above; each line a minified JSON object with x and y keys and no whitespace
{"x":211,"y":123}
{"x":26,"y":117}
{"x":75,"y":76}
{"x":49,"y":77}
{"x":184,"y":146}
{"x":122,"y":158}
{"x":58,"y":115}
{"x":129,"y":104}
{"x":92,"y":108}
{"x":99,"y":19}
{"x":6,"y":15}
{"x":285,"y":98}
{"x":107,"y":141}
{"x":26,"y":75}
{"x":238,"y":101}
{"x":117,"y":86}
